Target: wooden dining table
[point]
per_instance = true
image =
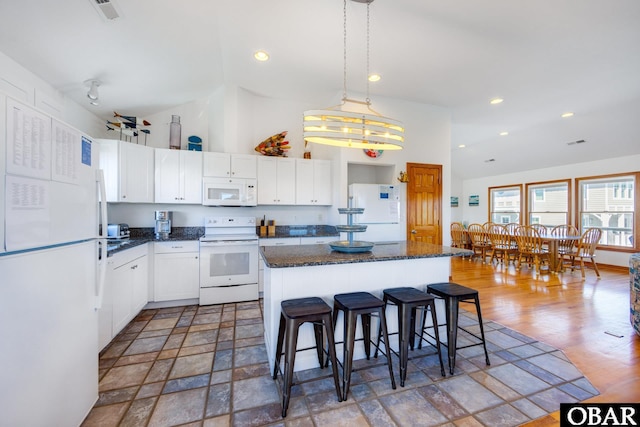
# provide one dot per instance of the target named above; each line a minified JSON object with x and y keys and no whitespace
{"x":555,"y":265}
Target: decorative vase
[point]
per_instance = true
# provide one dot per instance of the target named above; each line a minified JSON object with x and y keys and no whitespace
{"x":175,"y":129}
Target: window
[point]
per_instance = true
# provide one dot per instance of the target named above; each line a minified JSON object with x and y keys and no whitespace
{"x":505,"y":204}
{"x":609,"y":203}
{"x":548,"y":203}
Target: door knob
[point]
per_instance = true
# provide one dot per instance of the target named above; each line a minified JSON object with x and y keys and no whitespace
{"x":414,"y":232}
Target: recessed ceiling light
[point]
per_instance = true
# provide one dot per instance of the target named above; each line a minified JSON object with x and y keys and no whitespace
{"x":504,"y":133}
{"x":567,"y":114}
{"x":461,"y":146}
{"x":495,"y":101}
{"x":374,"y":77}
{"x":261,"y":55}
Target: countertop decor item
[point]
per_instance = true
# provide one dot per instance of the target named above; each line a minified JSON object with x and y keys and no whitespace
{"x":350,"y":245}
{"x":353,"y":123}
{"x":275,"y":145}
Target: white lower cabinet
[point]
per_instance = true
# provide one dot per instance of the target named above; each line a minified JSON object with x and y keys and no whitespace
{"x":176,"y":270}
{"x":126,"y":291}
{"x":288,"y":241}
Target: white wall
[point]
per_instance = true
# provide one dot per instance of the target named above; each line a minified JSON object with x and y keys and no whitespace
{"x":480,"y":186}
{"x":21,"y":84}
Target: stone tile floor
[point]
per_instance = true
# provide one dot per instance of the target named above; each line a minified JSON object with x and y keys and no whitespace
{"x":207,"y":366}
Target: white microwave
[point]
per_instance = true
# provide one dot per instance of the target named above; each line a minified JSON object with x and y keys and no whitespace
{"x":229,"y":192}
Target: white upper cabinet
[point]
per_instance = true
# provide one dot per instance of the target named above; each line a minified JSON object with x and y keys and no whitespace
{"x":128,"y":171}
{"x":178,"y":176}
{"x":313,"y":182}
{"x":276,"y":181}
{"x":226,"y":165}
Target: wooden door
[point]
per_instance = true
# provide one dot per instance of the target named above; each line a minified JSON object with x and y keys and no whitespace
{"x":424,"y":203}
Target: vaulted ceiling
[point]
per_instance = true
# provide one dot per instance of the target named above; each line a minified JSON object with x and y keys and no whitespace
{"x":543,"y":57}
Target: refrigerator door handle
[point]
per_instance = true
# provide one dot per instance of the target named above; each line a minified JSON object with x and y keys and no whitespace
{"x":102,"y":192}
{"x":102,"y":241}
{"x":102,"y":272}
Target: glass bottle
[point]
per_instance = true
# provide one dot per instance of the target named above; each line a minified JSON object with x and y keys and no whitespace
{"x":175,"y":129}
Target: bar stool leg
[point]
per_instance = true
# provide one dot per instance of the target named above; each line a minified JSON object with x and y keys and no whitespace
{"x":289,"y":360}
{"x":432,"y":307}
{"x":331,"y":343}
{"x":484,"y":342}
{"x":366,"y":333}
{"x":317,"y":331}
{"x":349,"y":341}
{"x":412,"y":323}
{"x":452,"y":331}
{"x":383,"y":326}
{"x":276,"y":365}
{"x":404,"y":317}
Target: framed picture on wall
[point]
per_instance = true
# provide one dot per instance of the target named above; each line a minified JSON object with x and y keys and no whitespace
{"x":454,"y":202}
{"x":474,"y":200}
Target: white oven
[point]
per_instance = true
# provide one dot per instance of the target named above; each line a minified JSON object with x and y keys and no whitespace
{"x":228,"y":260}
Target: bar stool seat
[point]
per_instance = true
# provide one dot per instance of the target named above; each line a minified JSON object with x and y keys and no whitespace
{"x":453,"y":294}
{"x":295,"y":312}
{"x":363,"y":304}
{"x":408,"y":300}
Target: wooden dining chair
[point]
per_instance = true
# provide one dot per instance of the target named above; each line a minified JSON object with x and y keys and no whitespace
{"x":564,"y":244}
{"x":480,"y":244}
{"x":540,"y":228}
{"x":586,"y":248}
{"x":503,"y":247}
{"x":512,"y":228}
{"x":530,"y":248}
{"x":458,"y":236}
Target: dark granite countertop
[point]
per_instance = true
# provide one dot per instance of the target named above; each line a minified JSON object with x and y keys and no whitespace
{"x":310,"y":255}
{"x":301,"y":231}
{"x":140,"y":236}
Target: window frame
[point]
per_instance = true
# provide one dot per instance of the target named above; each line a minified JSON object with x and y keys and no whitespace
{"x":534,"y":185}
{"x":501,"y":188}
{"x":636,"y":208}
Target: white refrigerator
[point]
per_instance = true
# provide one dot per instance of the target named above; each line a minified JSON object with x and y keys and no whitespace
{"x":52,"y":264}
{"x":384,"y":211}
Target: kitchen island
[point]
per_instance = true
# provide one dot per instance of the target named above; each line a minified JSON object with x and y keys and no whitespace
{"x":316,"y":270}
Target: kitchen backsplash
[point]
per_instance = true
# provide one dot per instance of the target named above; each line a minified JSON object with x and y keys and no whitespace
{"x":142,"y":215}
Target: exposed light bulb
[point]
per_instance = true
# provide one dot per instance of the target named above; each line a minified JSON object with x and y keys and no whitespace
{"x":261,"y":55}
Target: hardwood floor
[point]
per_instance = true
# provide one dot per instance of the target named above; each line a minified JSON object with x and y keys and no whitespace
{"x":587,"y":319}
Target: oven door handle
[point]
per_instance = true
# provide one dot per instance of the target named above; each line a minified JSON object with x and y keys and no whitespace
{"x":230,"y":242}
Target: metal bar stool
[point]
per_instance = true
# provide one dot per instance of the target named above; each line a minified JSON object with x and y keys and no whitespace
{"x":453,"y":294}
{"x":363,"y":304}
{"x":408,"y":300}
{"x":294,"y":313}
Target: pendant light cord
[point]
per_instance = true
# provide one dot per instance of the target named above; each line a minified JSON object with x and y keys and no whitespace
{"x":344,"y":87}
{"x":367,"y":76}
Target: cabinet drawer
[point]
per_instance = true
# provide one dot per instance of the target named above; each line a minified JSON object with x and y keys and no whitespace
{"x":176,"y":246}
{"x":126,"y":256}
{"x":280,"y":241}
{"x":318,"y":240}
